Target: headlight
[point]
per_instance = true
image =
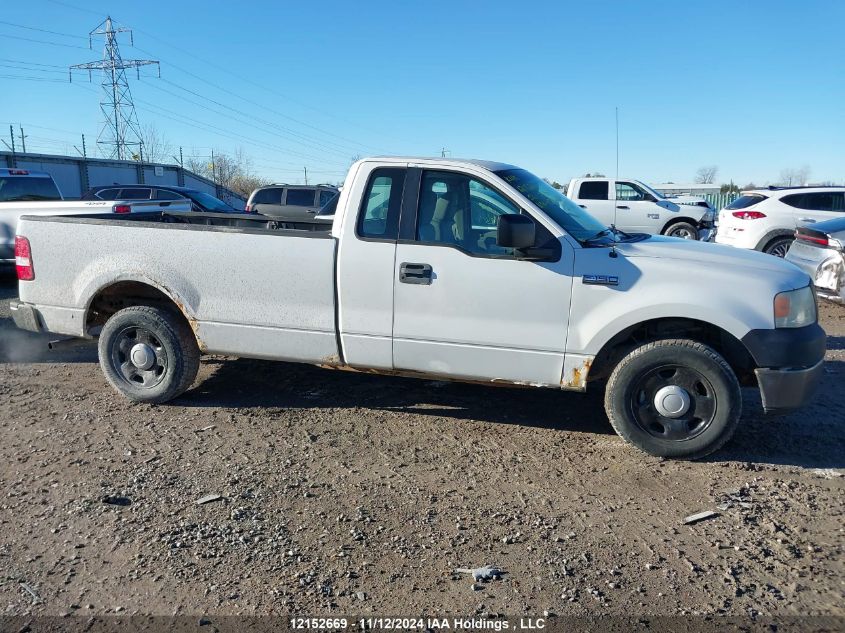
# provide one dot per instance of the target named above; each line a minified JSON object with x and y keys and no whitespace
{"x":709,"y":216}
{"x":795,"y":308}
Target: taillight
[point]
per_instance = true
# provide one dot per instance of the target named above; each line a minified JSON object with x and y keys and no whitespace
{"x":121,"y":208}
{"x":18,"y":172}
{"x":817,"y":238}
{"x":247,"y":209}
{"x":23,"y":259}
{"x":748,"y":215}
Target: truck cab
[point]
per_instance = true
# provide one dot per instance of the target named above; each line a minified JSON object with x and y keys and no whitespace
{"x":633,"y":206}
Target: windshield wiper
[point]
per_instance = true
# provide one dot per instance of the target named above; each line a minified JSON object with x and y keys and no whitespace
{"x":600,"y":234}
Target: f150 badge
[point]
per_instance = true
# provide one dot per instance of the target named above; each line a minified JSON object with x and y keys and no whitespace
{"x":600,"y":280}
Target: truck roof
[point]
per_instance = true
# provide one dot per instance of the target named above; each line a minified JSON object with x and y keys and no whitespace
{"x":486,"y":164}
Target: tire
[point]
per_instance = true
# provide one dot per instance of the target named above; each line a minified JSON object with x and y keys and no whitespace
{"x":166,"y":365}
{"x":712,"y":392}
{"x":779,"y":246}
{"x":684,"y":230}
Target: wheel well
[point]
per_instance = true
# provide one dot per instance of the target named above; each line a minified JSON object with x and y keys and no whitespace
{"x":674,"y":221}
{"x":770,"y":237}
{"x":124,"y":294}
{"x":731,"y":348}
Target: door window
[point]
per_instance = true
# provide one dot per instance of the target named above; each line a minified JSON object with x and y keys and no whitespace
{"x":107,"y":194}
{"x":629,"y":192}
{"x":135,"y":194}
{"x":594,"y":190}
{"x":460,"y":211}
{"x":325,"y":196}
{"x":817,"y":201}
{"x":300,"y":197}
{"x":271,"y":195}
{"x":379,"y":214}
{"x":162,"y":194}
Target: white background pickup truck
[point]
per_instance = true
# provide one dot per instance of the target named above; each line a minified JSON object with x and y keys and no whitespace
{"x":468,"y":270}
{"x":635,"y":207}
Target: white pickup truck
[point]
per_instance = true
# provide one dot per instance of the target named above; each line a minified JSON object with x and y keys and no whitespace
{"x":25,"y":192}
{"x":632,"y":205}
{"x":439,"y":268}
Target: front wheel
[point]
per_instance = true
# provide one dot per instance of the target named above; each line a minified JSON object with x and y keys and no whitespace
{"x":148,"y":354}
{"x":684,"y":230}
{"x":674,"y":398}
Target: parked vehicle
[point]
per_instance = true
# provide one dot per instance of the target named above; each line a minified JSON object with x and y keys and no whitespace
{"x":468,"y":270}
{"x":200,"y":200}
{"x":23,"y":185}
{"x":291,"y":203}
{"x":35,"y":193}
{"x":766,"y":219}
{"x":819,"y":250}
{"x":633,"y":206}
{"x":693,"y":201}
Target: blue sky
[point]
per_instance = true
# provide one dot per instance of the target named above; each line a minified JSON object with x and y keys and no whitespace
{"x":753,"y":87}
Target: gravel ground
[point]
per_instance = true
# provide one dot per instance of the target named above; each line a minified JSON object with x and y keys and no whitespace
{"x":346,"y":493}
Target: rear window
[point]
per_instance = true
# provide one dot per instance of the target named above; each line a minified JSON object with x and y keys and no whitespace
{"x":272,"y":195}
{"x":162,"y":194}
{"x":743,"y":202}
{"x":300,"y":198}
{"x":593,"y":190}
{"x":107,"y":194}
{"x":23,"y":188}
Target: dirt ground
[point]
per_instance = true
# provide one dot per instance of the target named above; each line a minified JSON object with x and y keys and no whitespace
{"x":345,"y":493}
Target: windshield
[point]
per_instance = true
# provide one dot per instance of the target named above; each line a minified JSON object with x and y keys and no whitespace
{"x":572,"y":218}
{"x":209,"y":202}
{"x":656,"y":194}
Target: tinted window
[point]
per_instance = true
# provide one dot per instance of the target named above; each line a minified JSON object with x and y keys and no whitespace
{"x":300,"y":198}
{"x":379,"y":214}
{"x":272,"y":195}
{"x":746,"y":201}
{"x":820,"y":201}
{"x":209,"y":202}
{"x":629,"y":191}
{"x":162,"y":194}
{"x":325,"y":196}
{"x":135,"y":194}
{"x":18,"y":188}
{"x":593,"y":190}
{"x":108,"y":194}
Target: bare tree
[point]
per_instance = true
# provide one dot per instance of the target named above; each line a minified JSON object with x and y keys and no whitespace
{"x":233,"y":171}
{"x":794,"y":176}
{"x":155,"y":147}
{"x":706,"y":175}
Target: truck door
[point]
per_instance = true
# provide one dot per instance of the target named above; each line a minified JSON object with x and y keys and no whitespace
{"x":465,"y":307}
{"x":635,"y":210}
{"x":594,"y":196}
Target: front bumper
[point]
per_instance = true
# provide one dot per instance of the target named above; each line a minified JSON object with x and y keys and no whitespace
{"x":25,"y":316}
{"x":784,"y":390}
{"x":790,"y":364}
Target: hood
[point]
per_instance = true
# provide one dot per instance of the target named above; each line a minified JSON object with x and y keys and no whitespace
{"x":708,"y":254}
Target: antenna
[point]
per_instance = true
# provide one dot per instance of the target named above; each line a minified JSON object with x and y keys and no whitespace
{"x":121,"y":130}
{"x":615,"y":202}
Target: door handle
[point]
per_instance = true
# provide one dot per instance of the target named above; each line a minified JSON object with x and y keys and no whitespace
{"x":583,"y":206}
{"x":807,"y":220}
{"x":415,"y":273}
{"x":622,"y":206}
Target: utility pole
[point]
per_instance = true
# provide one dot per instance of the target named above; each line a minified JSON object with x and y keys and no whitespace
{"x":181,"y":162}
{"x":306,"y":175}
{"x":12,"y":136}
{"x":23,"y":139}
{"x":213,"y":168}
{"x":121,"y":130}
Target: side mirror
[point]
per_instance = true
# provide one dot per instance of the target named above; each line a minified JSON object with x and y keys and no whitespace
{"x":515,"y":231}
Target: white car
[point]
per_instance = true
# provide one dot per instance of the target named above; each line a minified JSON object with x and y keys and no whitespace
{"x":819,"y":250}
{"x":765,"y":219}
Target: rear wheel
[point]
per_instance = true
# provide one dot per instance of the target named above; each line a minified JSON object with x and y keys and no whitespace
{"x":674,"y":398}
{"x":148,"y":354}
{"x":778,"y":246}
{"x":684,"y":230}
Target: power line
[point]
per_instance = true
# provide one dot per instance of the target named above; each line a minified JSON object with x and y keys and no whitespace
{"x":29,"y":39}
{"x":33,"y":28}
{"x":25,"y":78}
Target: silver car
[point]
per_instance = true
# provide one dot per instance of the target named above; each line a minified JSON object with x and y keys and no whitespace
{"x":820,"y":252}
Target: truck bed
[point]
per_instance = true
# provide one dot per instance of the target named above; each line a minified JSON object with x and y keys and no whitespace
{"x":248,"y":285}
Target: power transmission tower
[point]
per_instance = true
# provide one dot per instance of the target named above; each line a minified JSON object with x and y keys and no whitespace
{"x":120,"y":136}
